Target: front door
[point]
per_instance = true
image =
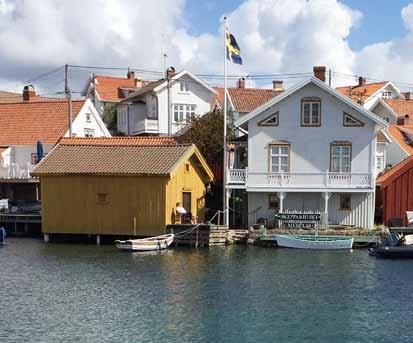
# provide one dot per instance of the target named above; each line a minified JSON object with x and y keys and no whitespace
{"x":186,"y":201}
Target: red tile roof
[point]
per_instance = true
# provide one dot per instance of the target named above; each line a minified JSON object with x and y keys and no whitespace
{"x":401,"y":106}
{"x":117,"y":141}
{"x":396,"y":132}
{"x":246,"y":100}
{"x":107,"y":87}
{"x":10,"y":97}
{"x":361,"y":92}
{"x":28,"y":122}
{"x":392,"y":173}
{"x":71,"y":159}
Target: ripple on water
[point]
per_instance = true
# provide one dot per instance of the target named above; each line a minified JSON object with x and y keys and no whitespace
{"x":79,"y":293}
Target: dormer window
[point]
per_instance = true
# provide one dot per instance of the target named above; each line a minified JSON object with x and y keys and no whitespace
{"x":311,"y":112}
{"x":386,"y":95}
{"x":184,"y":86}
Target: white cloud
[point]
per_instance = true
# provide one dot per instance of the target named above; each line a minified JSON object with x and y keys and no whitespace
{"x":276,"y":36}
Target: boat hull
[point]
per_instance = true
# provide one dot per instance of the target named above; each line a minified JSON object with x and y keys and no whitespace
{"x":149,"y":244}
{"x":315,"y":243}
{"x":396,"y":252}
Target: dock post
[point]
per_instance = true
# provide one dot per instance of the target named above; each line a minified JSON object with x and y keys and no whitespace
{"x":97,"y":239}
{"x":46,"y":238}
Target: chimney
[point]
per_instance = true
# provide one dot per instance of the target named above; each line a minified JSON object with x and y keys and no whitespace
{"x":170,"y":72}
{"x":130,"y":75}
{"x":401,"y":120}
{"x":320,"y":73}
{"x":278,"y":85}
{"x":138,"y":82}
{"x":28,"y":92}
{"x":408,"y":95}
{"x":241,"y":82}
{"x":362,"y":81}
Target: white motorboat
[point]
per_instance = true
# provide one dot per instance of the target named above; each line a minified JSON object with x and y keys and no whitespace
{"x":146,"y":244}
{"x":315,"y":242}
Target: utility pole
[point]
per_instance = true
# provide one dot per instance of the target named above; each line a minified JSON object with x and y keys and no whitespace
{"x":329,"y":77}
{"x":69,"y":100}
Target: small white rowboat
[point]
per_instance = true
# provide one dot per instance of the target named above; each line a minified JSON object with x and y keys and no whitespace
{"x":146,"y":244}
{"x":315,"y":242}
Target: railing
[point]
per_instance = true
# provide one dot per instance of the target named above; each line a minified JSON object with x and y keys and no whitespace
{"x":147,"y":125}
{"x":300,"y":180}
{"x":15,"y":171}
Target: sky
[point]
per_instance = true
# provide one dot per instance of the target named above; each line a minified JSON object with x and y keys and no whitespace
{"x":371,"y":38}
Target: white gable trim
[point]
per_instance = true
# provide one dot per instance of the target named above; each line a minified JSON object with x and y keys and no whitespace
{"x":381,"y":89}
{"x":321,"y":85}
{"x":387,"y":107}
{"x":192,"y":76}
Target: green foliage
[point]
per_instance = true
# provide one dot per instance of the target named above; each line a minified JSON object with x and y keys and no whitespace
{"x":207,"y":133}
{"x":110,"y":118}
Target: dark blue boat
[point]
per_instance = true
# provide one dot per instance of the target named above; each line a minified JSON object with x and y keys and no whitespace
{"x":393,"y":246}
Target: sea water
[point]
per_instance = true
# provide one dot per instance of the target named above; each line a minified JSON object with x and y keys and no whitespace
{"x":82,"y":293}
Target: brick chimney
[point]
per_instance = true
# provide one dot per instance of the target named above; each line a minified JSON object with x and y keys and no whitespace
{"x":241,"y":82}
{"x":130,"y":75}
{"x":320,"y":73}
{"x":170,"y":72}
{"x":401,"y":120}
{"x":362,"y":81}
{"x":408,"y":95}
{"x":278,"y":85}
{"x":29,"y":92}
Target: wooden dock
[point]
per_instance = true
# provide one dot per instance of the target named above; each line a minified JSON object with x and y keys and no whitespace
{"x":21,"y":224}
{"x":203,"y":235}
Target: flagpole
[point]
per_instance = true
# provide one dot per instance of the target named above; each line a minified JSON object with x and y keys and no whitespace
{"x":225,"y":163}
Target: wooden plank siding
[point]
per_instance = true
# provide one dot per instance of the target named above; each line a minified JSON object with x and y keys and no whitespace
{"x":183,"y":181}
{"x":70,"y":204}
{"x":396,"y":193}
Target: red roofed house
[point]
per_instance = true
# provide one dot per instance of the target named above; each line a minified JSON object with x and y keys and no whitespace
{"x":165,"y":106}
{"x":106,"y":91}
{"x":24,"y":123}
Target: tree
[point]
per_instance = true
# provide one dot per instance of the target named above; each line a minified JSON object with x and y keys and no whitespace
{"x":110,"y":118}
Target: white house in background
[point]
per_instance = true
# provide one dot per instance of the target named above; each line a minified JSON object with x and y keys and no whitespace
{"x":105,"y":91}
{"x":310,"y":149}
{"x":366,"y":94}
{"x":24,"y":123}
{"x":146,"y":110}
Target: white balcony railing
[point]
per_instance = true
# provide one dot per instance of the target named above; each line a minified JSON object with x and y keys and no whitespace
{"x":147,"y":126}
{"x":299,"y":180}
{"x":15,"y":171}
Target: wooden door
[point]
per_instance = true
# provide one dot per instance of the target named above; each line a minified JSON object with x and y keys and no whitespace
{"x":187,"y":201}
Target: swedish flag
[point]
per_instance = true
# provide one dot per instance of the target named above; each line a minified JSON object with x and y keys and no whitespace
{"x":233,"y":50}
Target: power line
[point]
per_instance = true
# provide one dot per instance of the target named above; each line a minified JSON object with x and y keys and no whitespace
{"x":43,"y":75}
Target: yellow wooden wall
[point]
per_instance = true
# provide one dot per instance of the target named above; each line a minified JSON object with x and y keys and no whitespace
{"x":181,"y":182}
{"x":69,"y":205}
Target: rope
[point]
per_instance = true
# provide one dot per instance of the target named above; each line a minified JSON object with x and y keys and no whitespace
{"x":192,"y":229}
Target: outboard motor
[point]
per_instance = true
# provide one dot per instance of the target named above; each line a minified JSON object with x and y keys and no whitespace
{"x":392,"y":240}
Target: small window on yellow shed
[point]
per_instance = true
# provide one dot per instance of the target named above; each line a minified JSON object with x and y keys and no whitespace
{"x":187,"y":168}
{"x":102,"y":198}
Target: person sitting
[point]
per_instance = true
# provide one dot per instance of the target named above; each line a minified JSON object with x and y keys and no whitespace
{"x":180,"y":212}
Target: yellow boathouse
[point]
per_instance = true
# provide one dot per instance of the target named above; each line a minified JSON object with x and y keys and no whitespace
{"x":120,"y":186}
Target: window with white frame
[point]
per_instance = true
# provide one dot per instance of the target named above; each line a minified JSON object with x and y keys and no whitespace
{"x":88,"y":117}
{"x":184,"y":86}
{"x":380,"y":162}
{"x":310,"y":112}
{"x":340,"y":159}
{"x":183,"y":112}
{"x":279,"y":158}
{"x":386,"y":95}
{"x":89,"y":132}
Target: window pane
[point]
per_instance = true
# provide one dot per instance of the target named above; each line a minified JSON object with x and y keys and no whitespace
{"x":275,"y":160}
{"x":176,"y":118}
{"x":284,"y":160}
{"x":336,"y":150}
{"x":181,"y":107}
{"x":284,"y":150}
{"x":335,"y":164}
{"x":345,"y":150}
{"x":284,"y":168}
{"x":275,"y":150}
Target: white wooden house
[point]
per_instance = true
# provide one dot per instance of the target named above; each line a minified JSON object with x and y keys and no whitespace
{"x":165,"y":106}
{"x":23,"y":123}
{"x":310,"y":149}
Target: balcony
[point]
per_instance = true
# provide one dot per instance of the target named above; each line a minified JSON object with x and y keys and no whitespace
{"x":146,"y":126}
{"x":241,"y":178}
{"x":16,"y":172}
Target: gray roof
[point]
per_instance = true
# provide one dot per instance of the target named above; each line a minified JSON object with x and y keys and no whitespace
{"x":145,"y":89}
